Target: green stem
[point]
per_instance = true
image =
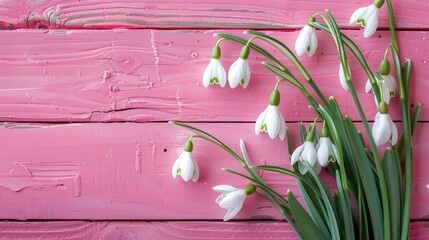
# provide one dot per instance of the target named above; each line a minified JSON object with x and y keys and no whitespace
{"x":358,"y":55}
{"x":392,"y":24}
{"x":292,"y":58}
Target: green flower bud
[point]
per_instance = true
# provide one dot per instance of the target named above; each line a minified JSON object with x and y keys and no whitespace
{"x":385,"y":67}
{"x":216,"y":52}
{"x":310,"y":135}
{"x":188,"y":146}
{"x":378,"y":3}
{"x":245,"y":51}
{"x":324,"y":132}
{"x":249,"y":189}
{"x":384,"y":109}
{"x":275,"y":98}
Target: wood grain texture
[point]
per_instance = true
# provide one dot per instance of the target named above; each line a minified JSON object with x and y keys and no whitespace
{"x":165,"y":230}
{"x":123,"y":171}
{"x":155,"y":75}
{"x":192,"y":14}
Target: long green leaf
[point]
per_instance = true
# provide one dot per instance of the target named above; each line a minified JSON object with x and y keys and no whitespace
{"x":346,"y":210}
{"x":394,"y":192}
{"x":308,"y":228}
{"x":315,"y":208}
{"x":369,"y":183}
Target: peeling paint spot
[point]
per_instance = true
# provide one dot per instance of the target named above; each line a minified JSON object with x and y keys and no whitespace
{"x":42,"y":175}
{"x":138,"y":158}
{"x":155,"y":54}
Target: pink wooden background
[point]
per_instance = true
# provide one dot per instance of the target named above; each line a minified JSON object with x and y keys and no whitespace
{"x":87,"y":88}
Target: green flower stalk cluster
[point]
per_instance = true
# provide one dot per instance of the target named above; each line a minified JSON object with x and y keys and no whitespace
{"x":370,"y":201}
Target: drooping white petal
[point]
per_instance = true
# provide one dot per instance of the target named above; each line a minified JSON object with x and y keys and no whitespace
{"x":309,"y":153}
{"x":394,"y":137}
{"x":260,"y":121}
{"x":196,"y":174}
{"x":224,"y":188}
{"x":343,"y":77}
{"x":313,"y":44}
{"x":187,"y":166}
{"x":207,"y":75}
{"x":233,"y":199}
{"x":381,"y":130}
{"x":390,"y":83}
{"x":368,"y":86}
{"x":235,"y":73}
{"x":232,"y":212}
{"x":358,"y":14}
{"x":296,"y":154}
{"x":219,"y":198}
{"x":246,"y":74}
{"x":303,"y":40}
{"x":273,"y":122}
{"x":371,"y":25}
{"x":323,"y":151}
{"x":302,"y":168}
{"x":214,"y":71}
{"x":220,"y":73}
{"x":176,"y":167}
{"x":282,"y":132}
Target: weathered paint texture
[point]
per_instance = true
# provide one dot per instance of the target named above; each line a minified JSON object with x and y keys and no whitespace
{"x":270,"y":14}
{"x":74,"y":74}
{"x":123,"y":171}
{"x":166,"y":230}
{"x":155,"y":75}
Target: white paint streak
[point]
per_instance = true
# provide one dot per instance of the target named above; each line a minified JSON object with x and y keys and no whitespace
{"x":155,"y":54}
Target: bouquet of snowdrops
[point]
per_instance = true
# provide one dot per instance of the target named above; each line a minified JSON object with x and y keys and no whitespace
{"x":372,"y":198}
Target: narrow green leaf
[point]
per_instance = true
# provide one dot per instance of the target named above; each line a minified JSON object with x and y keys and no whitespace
{"x":367,"y":177}
{"x":308,"y":228}
{"x":315,"y":208}
{"x":345,"y":209}
{"x":333,"y":223}
{"x":393,"y":190}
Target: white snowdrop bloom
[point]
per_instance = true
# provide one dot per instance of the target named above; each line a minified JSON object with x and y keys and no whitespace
{"x":305,"y":153}
{"x":387,"y":83}
{"x":384,"y":129}
{"x":185,"y":165}
{"x":342,"y":77}
{"x":239,"y":72}
{"x":326,"y":150}
{"x":214,"y":74}
{"x":367,"y":17}
{"x":232,"y":198}
{"x":306,"y":41}
{"x":271,"y":119}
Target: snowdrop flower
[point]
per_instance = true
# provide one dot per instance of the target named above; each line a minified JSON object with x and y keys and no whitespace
{"x":384,"y":128}
{"x":343,"y":80}
{"x":305,"y":153}
{"x":326,"y":150}
{"x":367,"y":17}
{"x":185,"y":165}
{"x":307,"y":40}
{"x":214,"y":73}
{"x":239,"y":72}
{"x":232,"y":198}
{"x":387,"y":84}
{"x":271,"y":120}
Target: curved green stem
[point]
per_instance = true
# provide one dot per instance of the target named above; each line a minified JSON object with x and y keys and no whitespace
{"x":282,"y":48}
{"x":358,"y":55}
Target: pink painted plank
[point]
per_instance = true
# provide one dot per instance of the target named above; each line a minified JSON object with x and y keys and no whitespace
{"x":192,"y":14}
{"x":123,"y":171}
{"x":166,"y":230}
{"x":151,"y":75}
